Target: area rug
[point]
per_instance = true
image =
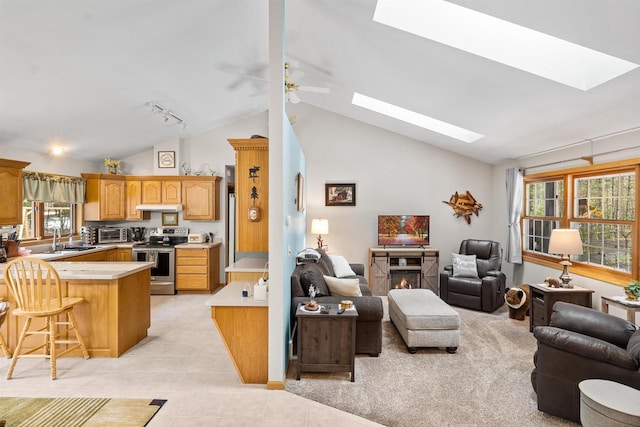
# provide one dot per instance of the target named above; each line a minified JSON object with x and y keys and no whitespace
{"x":72,"y":412}
{"x":486,"y":383}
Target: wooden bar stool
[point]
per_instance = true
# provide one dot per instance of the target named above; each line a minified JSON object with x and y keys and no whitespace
{"x":35,"y":285}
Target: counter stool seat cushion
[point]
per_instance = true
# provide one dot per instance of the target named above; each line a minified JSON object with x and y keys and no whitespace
{"x":423,"y":319}
{"x":604,"y":402}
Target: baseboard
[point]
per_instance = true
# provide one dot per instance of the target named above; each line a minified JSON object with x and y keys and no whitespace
{"x":275,"y":385}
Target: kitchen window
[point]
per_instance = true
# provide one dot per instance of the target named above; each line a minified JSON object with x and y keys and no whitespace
{"x":600,"y":202}
{"x":41,"y":218}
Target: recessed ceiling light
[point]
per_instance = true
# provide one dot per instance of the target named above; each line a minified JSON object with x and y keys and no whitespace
{"x":57,"y":150}
{"x":414,"y":118}
{"x":502,"y":41}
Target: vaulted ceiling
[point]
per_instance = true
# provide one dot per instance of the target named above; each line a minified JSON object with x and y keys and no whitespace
{"x":81,"y":73}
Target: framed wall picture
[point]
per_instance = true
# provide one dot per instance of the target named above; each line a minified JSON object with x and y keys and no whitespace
{"x":300,"y":192}
{"x":340,"y":194}
{"x":169,"y":218}
{"x":166,"y":159}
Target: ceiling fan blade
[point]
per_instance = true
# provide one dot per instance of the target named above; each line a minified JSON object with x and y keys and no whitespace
{"x":296,"y":75}
{"x":314,"y":89}
{"x":293,"y":98}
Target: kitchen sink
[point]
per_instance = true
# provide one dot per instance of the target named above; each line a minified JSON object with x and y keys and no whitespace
{"x":77,"y":248}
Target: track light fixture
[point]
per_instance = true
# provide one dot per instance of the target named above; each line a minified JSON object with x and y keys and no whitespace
{"x":166,"y":114}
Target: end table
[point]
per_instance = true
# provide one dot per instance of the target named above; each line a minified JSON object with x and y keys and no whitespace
{"x":326,"y":342}
{"x":543,"y":297}
{"x":630,"y":307}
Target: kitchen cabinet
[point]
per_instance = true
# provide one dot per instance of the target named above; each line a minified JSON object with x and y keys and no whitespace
{"x":252,"y":191}
{"x":123,"y":254}
{"x":201,"y":199}
{"x":133,"y":197}
{"x":197,"y":269}
{"x":11,"y":190}
{"x":105,"y":197}
{"x":160,"y":192}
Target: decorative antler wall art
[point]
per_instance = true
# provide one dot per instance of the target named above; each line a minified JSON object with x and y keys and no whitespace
{"x":464,"y":205}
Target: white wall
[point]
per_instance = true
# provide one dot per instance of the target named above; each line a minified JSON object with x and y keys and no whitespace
{"x":62,"y":165}
{"x":393,"y":175}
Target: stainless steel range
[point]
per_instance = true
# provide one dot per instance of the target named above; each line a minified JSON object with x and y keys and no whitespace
{"x":160,"y":249}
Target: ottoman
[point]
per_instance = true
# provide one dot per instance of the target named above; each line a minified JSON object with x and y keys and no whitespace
{"x":423,"y":319}
{"x":607,"y":403}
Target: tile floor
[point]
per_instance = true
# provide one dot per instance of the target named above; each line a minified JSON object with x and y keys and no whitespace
{"x":184,"y":361}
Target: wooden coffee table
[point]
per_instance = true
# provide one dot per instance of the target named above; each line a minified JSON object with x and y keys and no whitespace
{"x":326,"y":342}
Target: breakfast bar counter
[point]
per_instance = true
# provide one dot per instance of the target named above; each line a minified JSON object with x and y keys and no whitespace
{"x":243,"y":324}
{"x":117,"y":309}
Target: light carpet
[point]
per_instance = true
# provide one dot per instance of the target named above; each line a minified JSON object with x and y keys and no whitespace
{"x":486,"y":383}
{"x":72,"y":412}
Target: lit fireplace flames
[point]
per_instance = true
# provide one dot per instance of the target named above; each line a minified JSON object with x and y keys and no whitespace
{"x":403,"y":284}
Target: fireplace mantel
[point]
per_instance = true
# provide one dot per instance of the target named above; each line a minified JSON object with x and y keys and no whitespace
{"x":388,"y":265}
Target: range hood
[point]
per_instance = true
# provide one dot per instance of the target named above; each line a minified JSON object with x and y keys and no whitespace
{"x":158,"y":208}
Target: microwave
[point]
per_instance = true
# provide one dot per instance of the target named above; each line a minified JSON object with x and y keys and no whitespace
{"x":112,"y":235}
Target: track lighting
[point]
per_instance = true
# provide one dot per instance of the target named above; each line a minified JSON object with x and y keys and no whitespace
{"x":166,"y":114}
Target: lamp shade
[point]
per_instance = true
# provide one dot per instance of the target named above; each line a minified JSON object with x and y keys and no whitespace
{"x":565,"y":241}
{"x":319,"y":226}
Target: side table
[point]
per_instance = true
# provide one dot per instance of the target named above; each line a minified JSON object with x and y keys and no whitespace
{"x":543,"y":297}
{"x":326,"y":342}
{"x":630,"y":307}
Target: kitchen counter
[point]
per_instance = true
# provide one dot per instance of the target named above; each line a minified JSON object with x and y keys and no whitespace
{"x":44,"y":251}
{"x":248,"y":269}
{"x":117,"y":309}
{"x":243,"y":324}
{"x":205,"y":245}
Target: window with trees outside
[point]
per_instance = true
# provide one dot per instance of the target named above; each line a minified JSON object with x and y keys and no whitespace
{"x":600,"y":202}
{"x":39,"y":219}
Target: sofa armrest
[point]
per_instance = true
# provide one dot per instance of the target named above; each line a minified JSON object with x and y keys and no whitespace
{"x":448,"y":269}
{"x":358,"y":269}
{"x":585,"y":346}
{"x":593,"y":323}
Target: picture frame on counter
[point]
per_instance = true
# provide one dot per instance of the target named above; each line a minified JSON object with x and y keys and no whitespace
{"x":169,"y":218}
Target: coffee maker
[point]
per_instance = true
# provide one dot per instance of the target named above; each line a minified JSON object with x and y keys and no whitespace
{"x":137,"y":234}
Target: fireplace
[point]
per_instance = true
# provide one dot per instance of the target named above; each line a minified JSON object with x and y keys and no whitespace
{"x":404,"y":279}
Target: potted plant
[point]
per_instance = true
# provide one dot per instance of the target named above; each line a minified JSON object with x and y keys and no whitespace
{"x":632,"y":290}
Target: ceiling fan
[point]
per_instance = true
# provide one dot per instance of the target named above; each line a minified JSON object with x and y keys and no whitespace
{"x":290,"y":87}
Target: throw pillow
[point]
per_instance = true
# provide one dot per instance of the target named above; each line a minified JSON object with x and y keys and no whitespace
{"x":464,"y":265}
{"x":313,"y":276}
{"x":341,"y":266}
{"x":343,"y":287}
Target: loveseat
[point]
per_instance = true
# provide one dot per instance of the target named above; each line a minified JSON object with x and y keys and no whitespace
{"x":582,"y":343}
{"x":370,"y":312}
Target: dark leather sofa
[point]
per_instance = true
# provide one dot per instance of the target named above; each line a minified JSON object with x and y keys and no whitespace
{"x":581,"y":343}
{"x":485,"y":293}
{"x":370,"y":312}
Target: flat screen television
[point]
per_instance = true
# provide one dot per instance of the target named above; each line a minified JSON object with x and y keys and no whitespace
{"x":403,"y":230}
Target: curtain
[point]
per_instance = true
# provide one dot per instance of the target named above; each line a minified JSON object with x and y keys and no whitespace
{"x":43,"y":187}
{"x":515,"y":194}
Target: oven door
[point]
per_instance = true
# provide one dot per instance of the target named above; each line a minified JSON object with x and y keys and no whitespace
{"x":163,"y":273}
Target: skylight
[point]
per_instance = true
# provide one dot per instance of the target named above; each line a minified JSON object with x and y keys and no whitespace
{"x":414,"y":118}
{"x":502,"y":41}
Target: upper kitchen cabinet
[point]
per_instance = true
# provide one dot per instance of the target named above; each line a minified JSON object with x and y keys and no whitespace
{"x":11,"y":190}
{"x":105,"y":197}
{"x":252,"y":194}
{"x":133,"y":199}
{"x":160,"y":192}
{"x":201,"y":198}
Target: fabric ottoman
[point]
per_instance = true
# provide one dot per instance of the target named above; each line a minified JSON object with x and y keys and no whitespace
{"x":423,"y":319}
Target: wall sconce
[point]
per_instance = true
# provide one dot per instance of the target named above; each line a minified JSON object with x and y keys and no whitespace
{"x":319,"y":226}
{"x":166,"y":114}
{"x":565,"y":242}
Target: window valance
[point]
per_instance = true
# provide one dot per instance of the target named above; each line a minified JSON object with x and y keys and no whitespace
{"x":44,"y":187}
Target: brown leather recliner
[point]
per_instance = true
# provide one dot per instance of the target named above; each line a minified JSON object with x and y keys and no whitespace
{"x":581,"y":343}
{"x":485,"y":293}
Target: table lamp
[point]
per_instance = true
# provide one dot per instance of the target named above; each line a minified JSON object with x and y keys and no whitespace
{"x":319,"y":226}
{"x":565,"y":242}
